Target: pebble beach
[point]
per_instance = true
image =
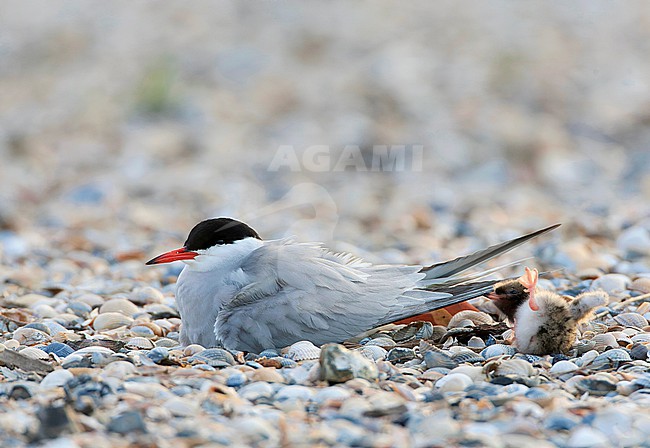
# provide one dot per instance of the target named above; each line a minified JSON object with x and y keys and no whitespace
{"x":122,"y":128}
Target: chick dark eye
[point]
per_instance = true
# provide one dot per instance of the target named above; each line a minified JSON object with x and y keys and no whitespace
{"x":219,"y":241}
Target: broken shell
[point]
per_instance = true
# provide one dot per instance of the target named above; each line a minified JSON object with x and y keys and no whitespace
{"x":373,"y":352}
{"x":119,"y":305}
{"x":31,"y":336}
{"x":400,"y":355}
{"x":110,"y":321}
{"x":414,"y":330}
{"x":382,"y":342}
{"x":476,"y":317}
{"x":303,"y":350}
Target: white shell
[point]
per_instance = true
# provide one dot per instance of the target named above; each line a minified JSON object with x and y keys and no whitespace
{"x":122,"y":306}
{"x":475,"y":317}
{"x":35,"y":353}
{"x":454,"y":382}
{"x":193,"y":349}
{"x":303,"y":350}
{"x":110,"y":321}
{"x":563,"y":367}
{"x":631,"y":320}
{"x":139,"y":343}
{"x":604,"y":340}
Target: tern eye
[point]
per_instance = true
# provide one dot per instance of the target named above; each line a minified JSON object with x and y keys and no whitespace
{"x":220,"y":242}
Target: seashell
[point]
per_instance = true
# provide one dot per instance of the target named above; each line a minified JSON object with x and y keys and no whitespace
{"x":119,"y":305}
{"x":269,"y":353}
{"x":39,"y":326}
{"x":382,"y":342}
{"x":475,"y":342}
{"x":374,"y":352}
{"x":604,"y":341}
{"x":110,"y":321}
{"x":158,"y":354}
{"x":454,"y":382}
{"x":80,"y":309}
{"x":438,"y":332}
{"x":11,"y":344}
{"x":563,"y":367}
{"x":498,"y":350}
{"x":641,"y":338}
{"x":596,"y":327}
{"x":57,"y":378}
{"x":400,"y":355}
{"x":414,"y":330}
{"x":631,"y":320}
{"x":611,"y":357}
{"x":463,"y":323}
{"x":94,"y":349}
{"x":166,"y":342}
{"x":146,"y":295}
{"x":285,"y":362}
{"x":214,"y":357}
{"x":639,"y":351}
{"x":142,"y":331}
{"x":93,"y":300}
{"x":35,"y":353}
{"x":641,"y":284}
{"x":642,"y":381}
{"x":59,"y":349}
{"x":439,"y":359}
{"x":474,"y":372}
{"x":467,"y":357}
{"x":587,"y":358}
{"x":139,"y":343}
{"x":303,"y":350}
{"x":611,"y":283}
{"x":193,"y":349}
{"x":160,"y":310}
{"x":597,"y":385}
{"x":31,"y":336}
{"x":475,"y":317}
{"x":643,"y":308}
{"x":516,"y":367}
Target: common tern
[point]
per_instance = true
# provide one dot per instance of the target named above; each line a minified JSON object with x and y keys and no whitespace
{"x":248,"y":294}
{"x":544,"y":322}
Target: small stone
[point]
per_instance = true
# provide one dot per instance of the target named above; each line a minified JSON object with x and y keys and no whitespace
{"x":126,"y":423}
{"x":338,"y":365}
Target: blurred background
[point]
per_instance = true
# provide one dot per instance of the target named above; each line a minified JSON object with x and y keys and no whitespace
{"x":122,"y":125}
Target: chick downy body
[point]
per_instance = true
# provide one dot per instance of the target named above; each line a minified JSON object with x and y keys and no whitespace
{"x":544,"y":322}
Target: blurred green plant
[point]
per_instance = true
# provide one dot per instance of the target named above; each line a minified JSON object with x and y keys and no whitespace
{"x":156,"y":94}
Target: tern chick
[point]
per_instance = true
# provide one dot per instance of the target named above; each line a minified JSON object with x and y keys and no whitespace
{"x":544,"y":322}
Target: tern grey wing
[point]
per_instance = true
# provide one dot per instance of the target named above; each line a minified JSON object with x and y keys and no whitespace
{"x":441,"y":272}
{"x":304,"y":292}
